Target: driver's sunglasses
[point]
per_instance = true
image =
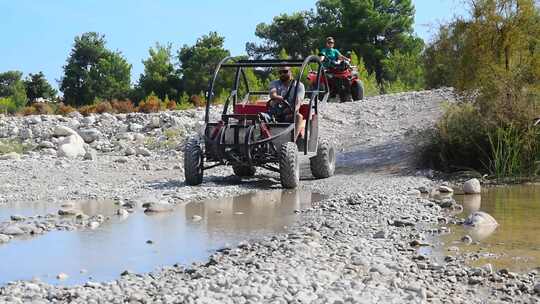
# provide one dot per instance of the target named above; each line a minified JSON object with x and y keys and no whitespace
{"x":331,"y":43}
{"x":284,"y":71}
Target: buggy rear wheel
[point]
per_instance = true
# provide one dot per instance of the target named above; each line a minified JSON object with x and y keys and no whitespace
{"x":289,"y":168}
{"x":244,"y":171}
{"x":193,"y":162}
{"x":323,"y":164}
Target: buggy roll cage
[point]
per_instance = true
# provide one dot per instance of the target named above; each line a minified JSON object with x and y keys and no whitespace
{"x":266,"y":63}
{"x":240,"y":77}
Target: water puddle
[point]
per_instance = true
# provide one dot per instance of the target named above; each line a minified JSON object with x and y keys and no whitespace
{"x":515,"y":243}
{"x":188,"y":234}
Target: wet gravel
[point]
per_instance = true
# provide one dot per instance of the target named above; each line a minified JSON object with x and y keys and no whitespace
{"x":359,"y":246}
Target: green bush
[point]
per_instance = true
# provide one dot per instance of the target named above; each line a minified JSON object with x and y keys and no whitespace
{"x":13,"y":145}
{"x":499,"y":72}
{"x":7,"y":105}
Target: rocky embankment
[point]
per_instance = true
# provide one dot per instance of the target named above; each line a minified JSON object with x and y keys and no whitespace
{"x":361,"y":245}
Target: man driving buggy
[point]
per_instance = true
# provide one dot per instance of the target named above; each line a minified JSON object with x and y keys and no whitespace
{"x":282,"y":105}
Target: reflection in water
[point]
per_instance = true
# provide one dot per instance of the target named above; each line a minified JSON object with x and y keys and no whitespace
{"x":471,"y":203}
{"x":515,"y":240}
{"x":120,"y":244}
{"x":480,"y":232}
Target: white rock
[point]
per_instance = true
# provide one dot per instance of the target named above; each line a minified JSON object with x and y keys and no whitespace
{"x":12,"y":230}
{"x":445,"y":189}
{"x":135,"y":127}
{"x":89,"y":120}
{"x":139,"y":138}
{"x":4,"y":238}
{"x":196,"y":218}
{"x":480,"y":218}
{"x":61,"y":131}
{"x":143,"y":151}
{"x":472,"y":186}
{"x":93,"y":225}
{"x":71,"y":147}
{"x":130,"y":151}
{"x":34,"y":119}
{"x":62,"y":276}
{"x":155,"y":122}
{"x":90,"y":135}
{"x":75,"y":114}
{"x":10,"y":156}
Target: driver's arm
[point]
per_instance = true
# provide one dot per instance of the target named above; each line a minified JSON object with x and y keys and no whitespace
{"x":274,"y":95}
{"x":341,"y":57}
{"x":300,"y":96}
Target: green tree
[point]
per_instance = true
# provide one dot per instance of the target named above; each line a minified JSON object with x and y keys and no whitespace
{"x":405,"y":69}
{"x":160,"y":75}
{"x":199,"y":61}
{"x":292,"y":33}
{"x":496,"y":60}
{"x":12,"y":88}
{"x":93,"y":72}
{"x":37,"y":86}
{"x":111,"y":77}
{"x":374,"y":29}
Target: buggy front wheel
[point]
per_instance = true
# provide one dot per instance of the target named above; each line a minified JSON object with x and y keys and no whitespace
{"x":289,"y":168}
{"x":193,"y":162}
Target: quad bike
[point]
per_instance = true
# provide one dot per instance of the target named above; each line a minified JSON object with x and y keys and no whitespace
{"x":342,"y":80}
{"x":244,"y":139}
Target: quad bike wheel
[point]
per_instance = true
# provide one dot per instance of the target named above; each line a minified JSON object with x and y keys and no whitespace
{"x":344,"y":89}
{"x":193,"y":162}
{"x":357,"y":91}
{"x":323,"y":164}
{"x":244,"y":171}
{"x":289,"y":168}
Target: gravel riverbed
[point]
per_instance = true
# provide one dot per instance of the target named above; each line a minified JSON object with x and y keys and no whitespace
{"x":358,"y":246}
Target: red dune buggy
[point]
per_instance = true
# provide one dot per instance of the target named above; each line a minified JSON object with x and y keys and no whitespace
{"x":243,"y":139}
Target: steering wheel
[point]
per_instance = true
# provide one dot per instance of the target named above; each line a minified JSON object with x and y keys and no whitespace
{"x":284,"y":101}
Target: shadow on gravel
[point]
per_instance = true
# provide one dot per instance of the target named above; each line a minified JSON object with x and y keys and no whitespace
{"x":391,"y":157}
{"x":259,"y":181}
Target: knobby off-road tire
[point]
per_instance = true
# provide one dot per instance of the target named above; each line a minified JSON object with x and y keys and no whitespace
{"x":357,"y":91}
{"x":323,"y":165}
{"x":193,"y":162}
{"x":344,"y":90}
{"x":289,"y":168}
{"x":244,"y":171}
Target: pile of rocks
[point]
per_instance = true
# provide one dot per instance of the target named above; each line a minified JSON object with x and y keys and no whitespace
{"x":75,"y":136}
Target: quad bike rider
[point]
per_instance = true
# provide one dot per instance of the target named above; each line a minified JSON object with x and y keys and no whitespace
{"x":341,"y":77}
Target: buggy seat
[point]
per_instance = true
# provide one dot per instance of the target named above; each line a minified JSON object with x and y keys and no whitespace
{"x":261,"y":107}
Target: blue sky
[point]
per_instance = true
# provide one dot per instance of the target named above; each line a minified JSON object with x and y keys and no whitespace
{"x":37,"y":35}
